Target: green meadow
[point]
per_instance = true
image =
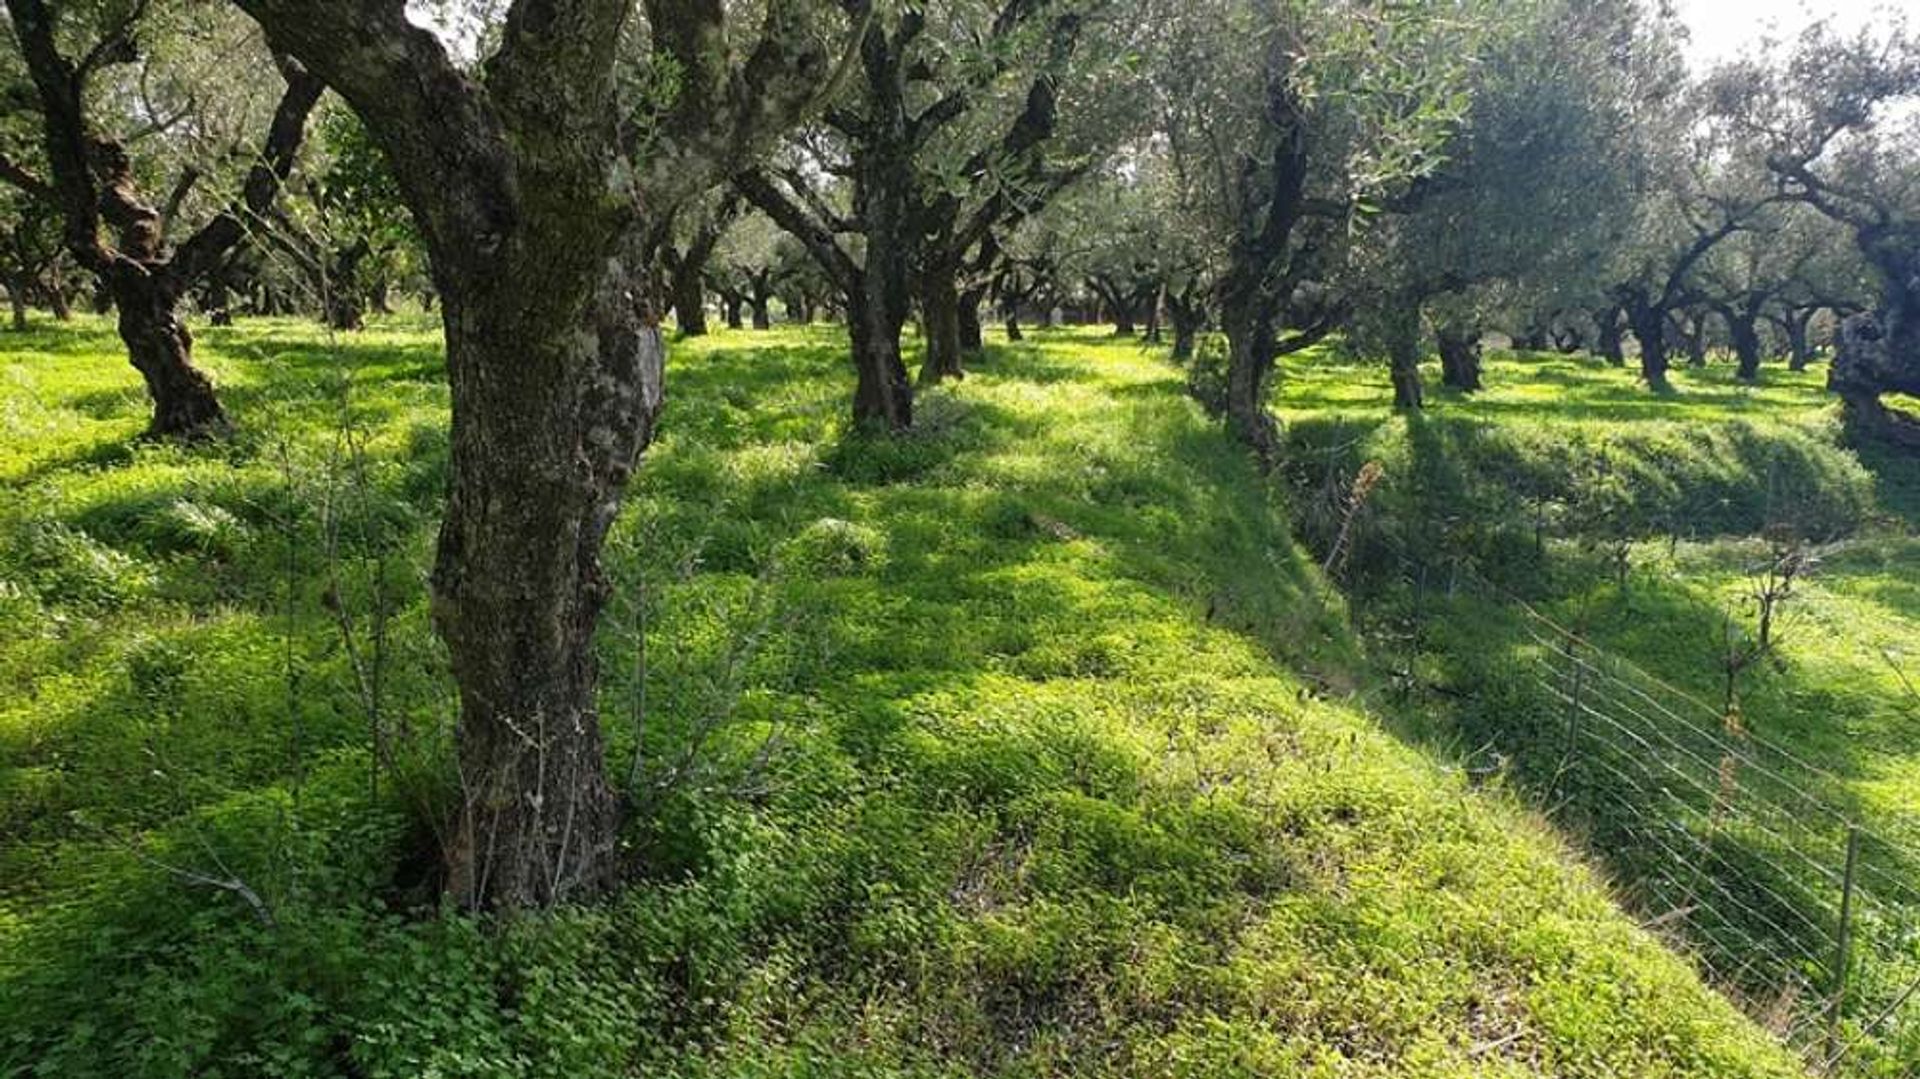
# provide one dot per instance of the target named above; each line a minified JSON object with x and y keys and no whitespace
{"x":1031,"y":743}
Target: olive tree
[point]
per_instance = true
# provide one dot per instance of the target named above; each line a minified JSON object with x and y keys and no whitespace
{"x":1824,"y":117}
{"x":90,"y":143}
{"x":942,"y":137}
{"x":532,"y":176}
{"x":1291,"y":110}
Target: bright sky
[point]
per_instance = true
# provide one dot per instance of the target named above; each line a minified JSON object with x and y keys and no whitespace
{"x":1723,"y":29}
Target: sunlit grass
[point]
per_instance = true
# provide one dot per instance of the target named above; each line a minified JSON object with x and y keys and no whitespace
{"x":1065,"y":779}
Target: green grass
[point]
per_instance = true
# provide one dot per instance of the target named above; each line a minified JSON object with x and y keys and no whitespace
{"x":1029,"y":749}
{"x":1638,"y":519}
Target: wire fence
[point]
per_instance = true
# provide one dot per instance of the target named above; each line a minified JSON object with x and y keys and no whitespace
{"x":1735,"y":849}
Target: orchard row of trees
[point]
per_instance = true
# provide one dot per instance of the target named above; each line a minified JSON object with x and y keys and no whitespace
{"x":555,"y":176}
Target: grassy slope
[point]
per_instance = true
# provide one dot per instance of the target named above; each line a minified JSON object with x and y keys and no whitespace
{"x":1718,"y":462}
{"x":1039,"y":799}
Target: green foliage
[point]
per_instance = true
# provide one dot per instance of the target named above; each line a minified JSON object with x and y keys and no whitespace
{"x":1012,"y":780}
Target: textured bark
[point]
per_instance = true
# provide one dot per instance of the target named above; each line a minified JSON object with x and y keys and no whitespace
{"x":940,"y":322}
{"x":689,"y":296}
{"x":1865,"y":367}
{"x":1691,"y":329}
{"x":1459,"y":358}
{"x":539,"y":464}
{"x":882,"y":395}
{"x":1250,"y":361}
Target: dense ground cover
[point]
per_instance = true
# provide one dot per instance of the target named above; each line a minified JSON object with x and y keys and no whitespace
{"x":1022,"y":745}
{"x":1646,"y":524}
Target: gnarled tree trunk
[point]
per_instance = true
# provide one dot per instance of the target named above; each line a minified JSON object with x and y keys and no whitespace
{"x":549,"y":424}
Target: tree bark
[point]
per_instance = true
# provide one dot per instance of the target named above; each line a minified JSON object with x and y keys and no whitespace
{"x":973,"y":337}
{"x":940,"y":319}
{"x":346,"y":307}
{"x":1649,"y":329}
{"x":1459,"y":358}
{"x":549,"y":424}
{"x":882,"y":396}
{"x":1799,"y":348}
{"x":161,"y":349}
{"x":1250,"y":360}
{"x":1743,"y":329}
{"x":731,"y":305}
{"x":689,"y":301}
{"x":218,"y":300}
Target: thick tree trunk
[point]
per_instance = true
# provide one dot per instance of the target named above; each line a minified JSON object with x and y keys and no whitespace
{"x":549,"y":423}
{"x":762,"y":314}
{"x":689,"y":300}
{"x":1459,"y":358}
{"x":882,"y":396}
{"x":732,"y":304}
{"x":1649,"y":329}
{"x":1184,"y":336}
{"x":1250,"y":359}
{"x":973,"y":337}
{"x":940,"y":318}
{"x":1123,"y":321}
{"x":161,"y":349}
